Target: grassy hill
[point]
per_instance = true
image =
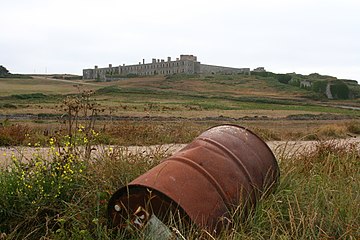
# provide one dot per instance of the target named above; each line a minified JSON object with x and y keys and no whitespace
{"x":179,"y":95}
{"x":61,"y":189}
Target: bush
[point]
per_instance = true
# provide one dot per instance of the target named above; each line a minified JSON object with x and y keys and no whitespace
{"x":283,"y":78}
{"x":319,"y":86}
{"x":339,"y":90}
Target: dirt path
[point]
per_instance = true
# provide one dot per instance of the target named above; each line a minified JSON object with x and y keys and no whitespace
{"x":279,"y":148}
{"x":80,"y":82}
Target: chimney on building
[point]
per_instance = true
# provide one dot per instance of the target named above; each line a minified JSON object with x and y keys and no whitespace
{"x":96,"y":67}
{"x":110,"y":65}
{"x":154,"y":60}
{"x":158,"y":60}
{"x":143,"y":61}
{"x":169,"y":59}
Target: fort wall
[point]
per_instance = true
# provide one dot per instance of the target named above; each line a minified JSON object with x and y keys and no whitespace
{"x":210,"y":69}
{"x":186,"y":64}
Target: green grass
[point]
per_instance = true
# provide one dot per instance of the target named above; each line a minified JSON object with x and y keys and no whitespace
{"x":214,"y":92}
{"x":218,"y":100}
{"x":12,"y":86}
{"x":65,"y":197}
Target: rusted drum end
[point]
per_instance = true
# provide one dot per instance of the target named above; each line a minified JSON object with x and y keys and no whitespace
{"x":133,"y":206}
{"x":224,"y":167}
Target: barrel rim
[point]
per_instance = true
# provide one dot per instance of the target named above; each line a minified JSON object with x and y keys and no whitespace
{"x":126,"y":190}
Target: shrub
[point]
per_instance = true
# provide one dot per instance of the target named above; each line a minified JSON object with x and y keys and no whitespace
{"x":283,"y":78}
{"x":319,"y":86}
{"x":339,"y":90}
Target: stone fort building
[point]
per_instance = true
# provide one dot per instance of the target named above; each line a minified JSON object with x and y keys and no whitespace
{"x":186,"y":64}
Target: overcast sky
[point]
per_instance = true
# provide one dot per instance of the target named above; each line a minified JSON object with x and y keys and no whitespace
{"x":66,"y":36}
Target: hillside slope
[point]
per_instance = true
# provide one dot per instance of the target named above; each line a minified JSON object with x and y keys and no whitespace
{"x":179,"y":96}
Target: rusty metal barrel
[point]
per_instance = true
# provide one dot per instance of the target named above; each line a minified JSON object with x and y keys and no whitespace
{"x":225,"y":167}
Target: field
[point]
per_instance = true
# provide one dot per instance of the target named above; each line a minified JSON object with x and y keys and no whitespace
{"x":189,"y":97}
{"x":81,"y":134}
{"x":160,"y":105}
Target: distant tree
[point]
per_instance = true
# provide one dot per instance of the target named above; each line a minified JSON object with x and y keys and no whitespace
{"x":3,"y":71}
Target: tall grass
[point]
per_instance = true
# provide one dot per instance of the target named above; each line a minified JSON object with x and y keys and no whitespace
{"x":318,"y":196}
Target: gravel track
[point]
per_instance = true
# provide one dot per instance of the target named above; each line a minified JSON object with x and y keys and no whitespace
{"x":279,"y":148}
